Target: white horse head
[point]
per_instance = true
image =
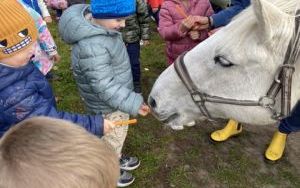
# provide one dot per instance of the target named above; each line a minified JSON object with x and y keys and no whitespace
{"x":238,"y":62}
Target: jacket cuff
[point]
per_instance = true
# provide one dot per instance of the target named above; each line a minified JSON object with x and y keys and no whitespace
{"x":52,"y":53}
{"x":99,"y":125}
{"x":138,"y":101}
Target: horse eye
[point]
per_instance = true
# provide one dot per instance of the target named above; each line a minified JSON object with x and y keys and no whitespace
{"x":23,"y":33}
{"x":221,"y":60}
{"x":3,"y":43}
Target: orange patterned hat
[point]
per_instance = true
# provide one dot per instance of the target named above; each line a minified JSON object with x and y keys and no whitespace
{"x":17,"y":28}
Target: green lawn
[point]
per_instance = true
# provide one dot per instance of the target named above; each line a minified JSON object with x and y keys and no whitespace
{"x":184,"y":158}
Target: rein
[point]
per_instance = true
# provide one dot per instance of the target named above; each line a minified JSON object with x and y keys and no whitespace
{"x":282,"y":81}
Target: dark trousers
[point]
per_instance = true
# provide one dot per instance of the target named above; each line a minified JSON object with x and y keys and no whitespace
{"x":154,"y":14}
{"x":133,"y":50}
{"x":292,"y":122}
{"x":58,"y":12}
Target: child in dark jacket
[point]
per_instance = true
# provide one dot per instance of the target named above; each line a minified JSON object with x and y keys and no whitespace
{"x":136,"y":28}
{"x":24,"y":91}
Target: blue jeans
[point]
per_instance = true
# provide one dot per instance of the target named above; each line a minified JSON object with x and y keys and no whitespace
{"x":292,"y":122}
{"x":133,"y":50}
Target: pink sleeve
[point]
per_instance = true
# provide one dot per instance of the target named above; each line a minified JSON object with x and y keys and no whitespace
{"x":209,"y":10}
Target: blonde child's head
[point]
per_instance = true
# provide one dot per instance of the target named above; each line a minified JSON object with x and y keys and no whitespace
{"x":44,"y":152}
{"x":18,"y":34}
{"x":112,"y":14}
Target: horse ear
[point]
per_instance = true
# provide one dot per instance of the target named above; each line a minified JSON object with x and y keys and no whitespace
{"x":268,"y":17}
{"x":275,"y":16}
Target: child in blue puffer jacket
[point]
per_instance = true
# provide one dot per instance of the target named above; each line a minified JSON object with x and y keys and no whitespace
{"x":24,"y":91}
{"x":101,"y":68}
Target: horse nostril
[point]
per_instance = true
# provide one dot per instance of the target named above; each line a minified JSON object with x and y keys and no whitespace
{"x":152,"y":102}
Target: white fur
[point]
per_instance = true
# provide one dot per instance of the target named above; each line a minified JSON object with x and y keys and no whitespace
{"x":256,"y":42}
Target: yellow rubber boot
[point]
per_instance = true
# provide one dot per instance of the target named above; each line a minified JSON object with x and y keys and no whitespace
{"x":232,"y":128}
{"x":276,"y":147}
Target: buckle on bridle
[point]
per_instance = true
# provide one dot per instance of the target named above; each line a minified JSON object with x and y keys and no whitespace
{"x":197,"y":97}
{"x":266,"y":102}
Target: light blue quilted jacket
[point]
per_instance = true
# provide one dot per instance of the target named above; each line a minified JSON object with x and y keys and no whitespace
{"x":100,"y":64}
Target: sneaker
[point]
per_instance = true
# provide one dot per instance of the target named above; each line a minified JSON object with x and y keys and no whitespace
{"x":125,"y":179}
{"x":129,"y":163}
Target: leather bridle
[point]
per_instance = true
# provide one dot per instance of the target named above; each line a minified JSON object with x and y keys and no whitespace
{"x":282,"y":81}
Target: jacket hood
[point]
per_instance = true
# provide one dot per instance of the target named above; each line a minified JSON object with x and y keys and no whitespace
{"x":73,"y":26}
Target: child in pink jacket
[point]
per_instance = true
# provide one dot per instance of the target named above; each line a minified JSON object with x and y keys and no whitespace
{"x":178,"y":25}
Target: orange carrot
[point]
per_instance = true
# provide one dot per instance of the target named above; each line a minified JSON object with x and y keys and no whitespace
{"x":180,"y":11}
{"x":126,"y":122}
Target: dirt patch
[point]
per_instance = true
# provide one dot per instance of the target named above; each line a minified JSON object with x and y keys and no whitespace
{"x":238,"y":162}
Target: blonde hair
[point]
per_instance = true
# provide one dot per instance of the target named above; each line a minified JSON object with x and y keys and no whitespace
{"x":44,"y":152}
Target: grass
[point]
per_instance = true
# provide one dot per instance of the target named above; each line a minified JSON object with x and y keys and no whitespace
{"x":186,"y":158}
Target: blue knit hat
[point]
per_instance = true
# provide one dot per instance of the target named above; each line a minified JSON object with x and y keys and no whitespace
{"x":106,"y":9}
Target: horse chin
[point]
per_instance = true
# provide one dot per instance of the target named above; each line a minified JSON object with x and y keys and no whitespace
{"x":176,"y":122}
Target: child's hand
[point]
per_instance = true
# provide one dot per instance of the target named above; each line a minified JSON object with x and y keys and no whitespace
{"x":108,"y":126}
{"x":56,"y":58}
{"x":194,"y":35}
{"x":201,"y":22}
{"x":187,"y":24}
{"x":48,"y":19}
{"x":144,"y":110}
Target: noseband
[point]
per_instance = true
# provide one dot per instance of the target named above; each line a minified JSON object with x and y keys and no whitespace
{"x":282,"y":81}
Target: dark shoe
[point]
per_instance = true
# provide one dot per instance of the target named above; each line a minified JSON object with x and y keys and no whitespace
{"x":129,"y":163}
{"x":125,"y":179}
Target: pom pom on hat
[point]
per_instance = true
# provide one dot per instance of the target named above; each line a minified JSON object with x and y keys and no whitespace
{"x":17,"y":28}
{"x":110,"y":9}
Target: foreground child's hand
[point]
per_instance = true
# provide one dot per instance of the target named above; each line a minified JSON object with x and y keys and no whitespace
{"x":144,"y":110}
{"x":108,"y":126}
{"x":56,"y":58}
{"x":48,"y":19}
{"x":194,"y":35}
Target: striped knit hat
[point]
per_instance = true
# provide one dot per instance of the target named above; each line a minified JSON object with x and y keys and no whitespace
{"x":17,"y":28}
{"x":110,"y":9}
